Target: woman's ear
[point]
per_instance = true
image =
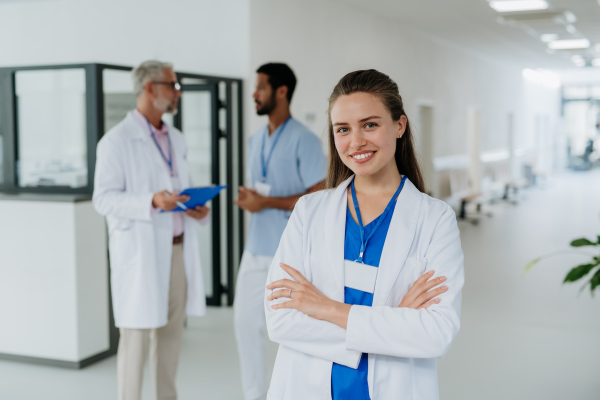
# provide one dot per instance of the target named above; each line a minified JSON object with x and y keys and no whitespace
{"x":402,"y":122}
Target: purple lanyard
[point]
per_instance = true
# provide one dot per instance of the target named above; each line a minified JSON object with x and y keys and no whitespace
{"x":169,"y":160}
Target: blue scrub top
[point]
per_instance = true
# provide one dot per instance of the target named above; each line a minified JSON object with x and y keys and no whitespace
{"x":348,"y":383}
{"x":296,"y":164}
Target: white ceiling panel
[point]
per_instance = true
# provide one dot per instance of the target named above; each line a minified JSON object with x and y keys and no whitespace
{"x":473,"y":24}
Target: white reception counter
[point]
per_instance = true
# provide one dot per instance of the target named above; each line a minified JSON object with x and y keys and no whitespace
{"x":54,"y":281}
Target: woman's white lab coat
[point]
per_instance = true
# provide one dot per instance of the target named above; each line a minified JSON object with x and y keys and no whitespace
{"x":129,"y":170}
{"x":402,"y":343}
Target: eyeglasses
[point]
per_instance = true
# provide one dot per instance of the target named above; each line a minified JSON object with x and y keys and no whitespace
{"x":174,"y":85}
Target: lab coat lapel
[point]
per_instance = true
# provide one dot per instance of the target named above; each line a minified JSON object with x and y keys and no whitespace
{"x":140,"y":133}
{"x":398,"y":241}
{"x":335,"y":229}
{"x":178,"y":146}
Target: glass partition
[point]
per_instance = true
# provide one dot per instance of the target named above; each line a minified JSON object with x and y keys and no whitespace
{"x":119,"y":98}
{"x":51,"y":123}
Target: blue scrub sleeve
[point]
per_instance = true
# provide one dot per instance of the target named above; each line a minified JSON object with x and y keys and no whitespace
{"x":312,"y":163}
{"x":249,"y":158}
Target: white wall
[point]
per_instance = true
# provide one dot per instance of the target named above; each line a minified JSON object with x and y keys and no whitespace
{"x":323,"y":40}
{"x":209,"y":37}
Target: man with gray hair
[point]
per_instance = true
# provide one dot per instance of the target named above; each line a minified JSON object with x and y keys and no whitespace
{"x":156,"y":276}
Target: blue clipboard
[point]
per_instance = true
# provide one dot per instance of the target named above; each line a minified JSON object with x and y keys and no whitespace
{"x":200,"y":196}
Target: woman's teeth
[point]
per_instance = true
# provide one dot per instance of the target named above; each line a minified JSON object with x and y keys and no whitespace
{"x":361,"y":156}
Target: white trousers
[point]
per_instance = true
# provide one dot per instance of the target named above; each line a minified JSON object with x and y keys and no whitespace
{"x":250,"y":324}
{"x":162,"y":344}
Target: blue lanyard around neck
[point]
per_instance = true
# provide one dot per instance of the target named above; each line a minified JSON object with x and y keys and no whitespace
{"x":265,"y":163}
{"x":363,"y":241}
{"x":169,"y":160}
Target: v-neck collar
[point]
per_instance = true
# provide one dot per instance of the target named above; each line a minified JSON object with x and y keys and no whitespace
{"x":397,"y":245}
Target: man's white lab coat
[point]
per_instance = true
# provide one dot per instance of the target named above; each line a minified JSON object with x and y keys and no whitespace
{"x":129,"y":170}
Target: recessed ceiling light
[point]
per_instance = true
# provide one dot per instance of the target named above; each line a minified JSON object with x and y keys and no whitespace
{"x":576,"y":57}
{"x":518,"y":5}
{"x":569,"y":44}
{"x":580,"y":63}
{"x":571,"y":29}
{"x":596,"y":61}
{"x":549,"y":37}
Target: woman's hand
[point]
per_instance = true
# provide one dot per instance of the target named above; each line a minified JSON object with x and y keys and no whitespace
{"x":306,"y":298}
{"x":419,"y":296}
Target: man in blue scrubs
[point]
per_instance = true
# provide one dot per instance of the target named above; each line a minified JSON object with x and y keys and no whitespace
{"x":284,"y":162}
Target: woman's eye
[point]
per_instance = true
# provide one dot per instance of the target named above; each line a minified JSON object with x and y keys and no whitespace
{"x":370,"y":125}
{"x":342,"y":130}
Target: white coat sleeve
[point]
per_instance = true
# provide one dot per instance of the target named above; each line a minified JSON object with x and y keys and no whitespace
{"x":293,"y":328}
{"x":110,"y":196}
{"x":405,"y":332}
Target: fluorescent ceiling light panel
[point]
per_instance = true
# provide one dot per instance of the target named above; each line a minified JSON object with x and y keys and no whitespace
{"x":549,"y":37}
{"x":569,"y":44}
{"x":519,"y":5}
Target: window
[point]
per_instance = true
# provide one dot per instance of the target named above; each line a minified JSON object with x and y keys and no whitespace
{"x":51,"y":128}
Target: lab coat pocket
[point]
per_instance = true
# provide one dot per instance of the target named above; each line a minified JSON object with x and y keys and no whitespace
{"x":122,"y":249}
{"x":120,"y":225}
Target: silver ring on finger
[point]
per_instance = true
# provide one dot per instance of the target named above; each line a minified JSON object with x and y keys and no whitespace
{"x":290,"y":296}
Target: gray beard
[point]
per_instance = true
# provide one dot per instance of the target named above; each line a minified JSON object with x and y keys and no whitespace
{"x":165,"y":106}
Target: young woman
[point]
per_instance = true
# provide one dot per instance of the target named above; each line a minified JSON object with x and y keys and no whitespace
{"x":364,"y":292}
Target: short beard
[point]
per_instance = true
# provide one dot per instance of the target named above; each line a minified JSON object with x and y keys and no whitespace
{"x":268,"y":106}
{"x":165,"y":106}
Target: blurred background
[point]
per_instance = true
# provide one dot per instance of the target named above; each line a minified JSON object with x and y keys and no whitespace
{"x":504,"y":98}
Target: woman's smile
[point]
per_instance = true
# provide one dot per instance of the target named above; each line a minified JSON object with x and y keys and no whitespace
{"x":362,"y":157}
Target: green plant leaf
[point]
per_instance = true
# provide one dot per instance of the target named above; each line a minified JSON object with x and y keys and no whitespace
{"x":581,"y":252}
{"x":583,"y":242}
{"x":595,"y":281}
{"x":531,"y":264}
{"x":579,"y":272}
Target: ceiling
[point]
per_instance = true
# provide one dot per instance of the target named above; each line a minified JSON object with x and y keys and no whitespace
{"x":474,"y":25}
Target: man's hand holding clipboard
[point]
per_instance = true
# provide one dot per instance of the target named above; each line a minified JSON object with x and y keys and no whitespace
{"x":192,"y":201}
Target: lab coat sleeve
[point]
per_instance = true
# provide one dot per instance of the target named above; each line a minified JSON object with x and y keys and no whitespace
{"x":293,"y":328}
{"x":110,"y":196}
{"x":405,"y":332}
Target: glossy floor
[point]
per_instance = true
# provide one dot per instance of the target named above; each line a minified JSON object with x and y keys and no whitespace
{"x":522,"y":337}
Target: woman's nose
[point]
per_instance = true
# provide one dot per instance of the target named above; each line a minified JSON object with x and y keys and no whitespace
{"x":358,"y":140}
